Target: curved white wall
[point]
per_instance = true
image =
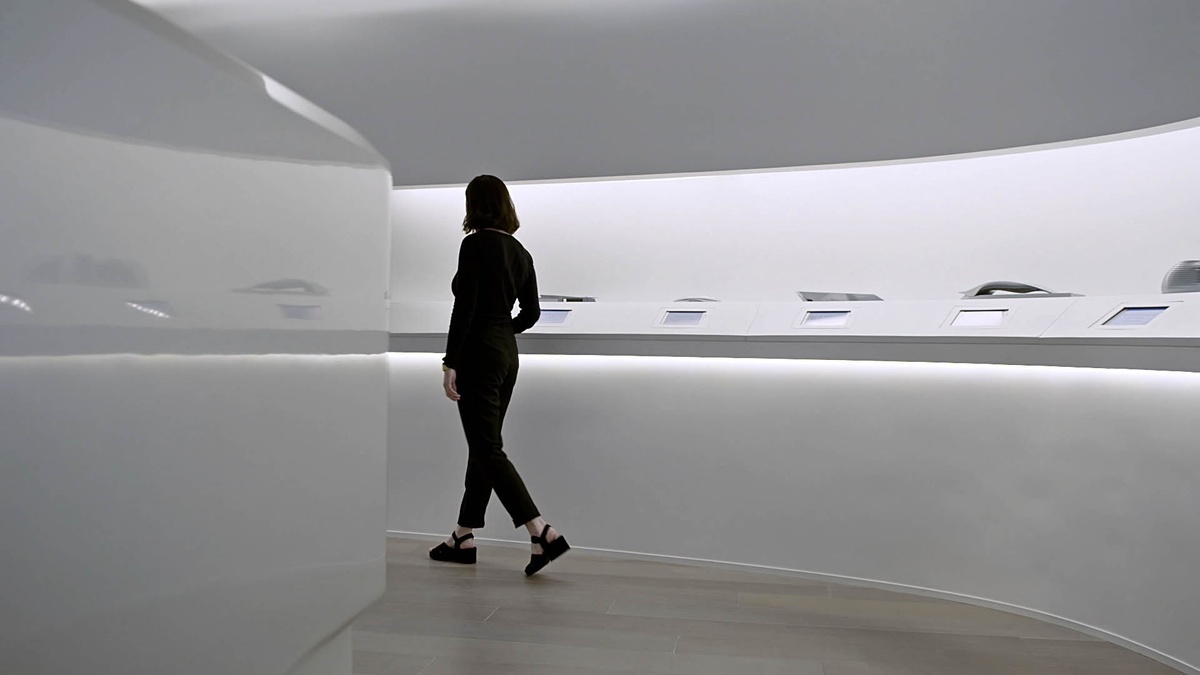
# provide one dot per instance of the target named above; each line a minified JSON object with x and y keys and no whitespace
{"x":1108,"y":218}
{"x":1066,"y":492}
{"x":190,"y":468}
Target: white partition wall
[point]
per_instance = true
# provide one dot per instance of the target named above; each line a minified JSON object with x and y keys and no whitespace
{"x":193,"y":383}
{"x":1024,"y":453}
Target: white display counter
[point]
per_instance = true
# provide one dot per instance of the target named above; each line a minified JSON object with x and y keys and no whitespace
{"x":1078,"y":332}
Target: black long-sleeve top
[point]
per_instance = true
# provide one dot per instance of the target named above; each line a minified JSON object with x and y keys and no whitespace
{"x":494,"y":272}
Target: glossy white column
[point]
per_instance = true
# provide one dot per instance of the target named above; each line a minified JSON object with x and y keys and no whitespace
{"x":193,"y":388}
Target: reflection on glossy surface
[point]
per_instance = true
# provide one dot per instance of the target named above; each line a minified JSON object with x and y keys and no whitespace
{"x":7,"y":302}
{"x":83,"y":270}
{"x":190,"y":479}
{"x":156,"y":308}
{"x":287,"y":287}
{"x":304,"y":312}
{"x":196,"y":244}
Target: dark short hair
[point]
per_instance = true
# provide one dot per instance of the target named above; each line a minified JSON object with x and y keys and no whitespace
{"x":489,"y":205}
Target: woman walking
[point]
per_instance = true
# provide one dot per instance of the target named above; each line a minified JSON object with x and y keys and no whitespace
{"x":480,"y":369}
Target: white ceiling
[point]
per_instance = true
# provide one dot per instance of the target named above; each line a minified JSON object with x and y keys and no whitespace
{"x":535,"y":89}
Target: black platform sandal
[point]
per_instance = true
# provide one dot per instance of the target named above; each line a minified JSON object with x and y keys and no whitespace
{"x":464,"y":556}
{"x":550,"y":551}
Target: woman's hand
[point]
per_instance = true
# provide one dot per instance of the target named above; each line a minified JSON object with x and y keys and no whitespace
{"x":450,"y":384}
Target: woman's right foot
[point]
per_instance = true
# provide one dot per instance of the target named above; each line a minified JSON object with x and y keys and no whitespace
{"x":460,"y":538}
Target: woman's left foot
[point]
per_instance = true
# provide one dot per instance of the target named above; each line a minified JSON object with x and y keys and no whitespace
{"x":456,"y":553}
{"x":549,"y":533}
{"x":546,"y":547}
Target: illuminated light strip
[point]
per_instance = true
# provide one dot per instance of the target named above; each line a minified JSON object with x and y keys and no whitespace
{"x":148,"y":310}
{"x":15,"y":302}
{"x":629,"y":362}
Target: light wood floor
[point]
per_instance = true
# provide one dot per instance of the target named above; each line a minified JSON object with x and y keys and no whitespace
{"x":588,"y":614}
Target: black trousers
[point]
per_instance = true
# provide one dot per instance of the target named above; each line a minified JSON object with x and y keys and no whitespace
{"x":485,"y":382}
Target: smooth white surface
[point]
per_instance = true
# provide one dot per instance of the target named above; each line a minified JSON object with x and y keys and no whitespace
{"x":551,"y":89}
{"x":214,"y":513}
{"x":191,"y":477}
{"x":1066,"y":491}
{"x":1104,"y":219}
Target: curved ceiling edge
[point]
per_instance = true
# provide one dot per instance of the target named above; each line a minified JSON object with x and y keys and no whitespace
{"x":1159,"y":130}
{"x":235,"y":67}
{"x":573,"y":90}
{"x":210,"y":101}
